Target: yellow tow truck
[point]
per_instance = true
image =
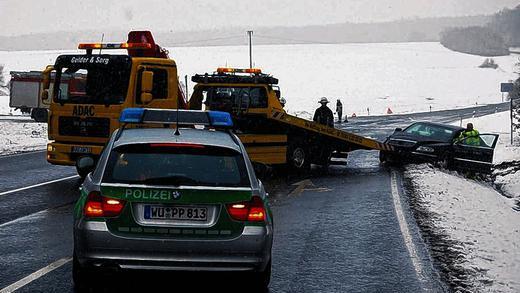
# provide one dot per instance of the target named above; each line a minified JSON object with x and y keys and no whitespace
{"x":271,"y":135}
{"x":93,"y":89}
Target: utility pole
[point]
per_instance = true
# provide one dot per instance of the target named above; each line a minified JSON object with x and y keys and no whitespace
{"x":250,"y":35}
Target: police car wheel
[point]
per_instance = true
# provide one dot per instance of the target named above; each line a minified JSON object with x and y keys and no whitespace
{"x":261,"y":279}
{"x":80,"y":276}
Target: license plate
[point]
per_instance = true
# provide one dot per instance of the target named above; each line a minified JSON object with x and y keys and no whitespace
{"x":81,"y":150}
{"x":152,"y":212}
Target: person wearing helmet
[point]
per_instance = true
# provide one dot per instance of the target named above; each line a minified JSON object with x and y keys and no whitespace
{"x":470,"y":134}
{"x":282,"y":102}
{"x":323,"y":114}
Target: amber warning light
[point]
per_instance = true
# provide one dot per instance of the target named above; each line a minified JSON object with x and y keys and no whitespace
{"x":237,"y":70}
{"x":87,"y":46}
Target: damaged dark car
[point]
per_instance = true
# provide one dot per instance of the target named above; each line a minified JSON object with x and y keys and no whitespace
{"x":424,"y":142}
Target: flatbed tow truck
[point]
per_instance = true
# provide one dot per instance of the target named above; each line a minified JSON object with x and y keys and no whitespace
{"x":271,"y":135}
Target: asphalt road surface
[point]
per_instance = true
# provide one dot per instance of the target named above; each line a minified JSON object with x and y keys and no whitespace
{"x":348,"y":229}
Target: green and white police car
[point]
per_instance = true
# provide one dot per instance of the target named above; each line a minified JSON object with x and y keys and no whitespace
{"x":162,"y":198}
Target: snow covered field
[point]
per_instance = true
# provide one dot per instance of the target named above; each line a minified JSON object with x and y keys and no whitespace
{"x":406,"y":77}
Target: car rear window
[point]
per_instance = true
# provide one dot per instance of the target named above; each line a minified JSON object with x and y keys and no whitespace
{"x":175,"y":165}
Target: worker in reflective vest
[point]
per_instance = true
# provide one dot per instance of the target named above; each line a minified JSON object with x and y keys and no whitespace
{"x":470,"y":135}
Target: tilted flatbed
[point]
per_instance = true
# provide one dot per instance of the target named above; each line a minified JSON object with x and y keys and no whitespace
{"x":270,"y":134}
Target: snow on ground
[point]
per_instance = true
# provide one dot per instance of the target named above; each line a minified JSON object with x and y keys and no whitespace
{"x":507,"y":157}
{"x":22,"y":135}
{"x":480,"y":224}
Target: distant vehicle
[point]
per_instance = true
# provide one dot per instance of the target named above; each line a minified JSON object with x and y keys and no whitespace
{"x":27,"y":86}
{"x":24,"y":94}
{"x":162,"y":200}
{"x":432,"y":142}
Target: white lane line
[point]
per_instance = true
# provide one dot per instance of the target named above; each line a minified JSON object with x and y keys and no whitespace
{"x":22,"y":153}
{"x":403,"y":225}
{"x":24,"y":218}
{"x":37,"y":185}
{"x":36,"y":275}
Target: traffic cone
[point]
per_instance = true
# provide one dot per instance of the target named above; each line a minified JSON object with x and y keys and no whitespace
{"x":389,"y":111}
{"x":353,"y":115}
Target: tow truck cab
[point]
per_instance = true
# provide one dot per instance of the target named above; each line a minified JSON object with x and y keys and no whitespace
{"x":82,"y":116}
{"x":250,"y":97}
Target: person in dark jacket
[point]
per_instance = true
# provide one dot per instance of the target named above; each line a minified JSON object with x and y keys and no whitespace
{"x":339,"y":110}
{"x":323,"y":114}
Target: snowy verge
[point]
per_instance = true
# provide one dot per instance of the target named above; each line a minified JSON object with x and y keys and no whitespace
{"x":21,"y":136}
{"x":473,"y":230}
{"x":507,"y":157}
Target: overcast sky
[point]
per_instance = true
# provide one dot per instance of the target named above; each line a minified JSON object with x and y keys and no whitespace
{"x":35,"y":16}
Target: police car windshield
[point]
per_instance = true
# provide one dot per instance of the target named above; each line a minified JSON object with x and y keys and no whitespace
{"x":160,"y":164}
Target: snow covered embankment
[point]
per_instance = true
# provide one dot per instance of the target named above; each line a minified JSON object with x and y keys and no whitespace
{"x":19,"y":136}
{"x":473,"y":231}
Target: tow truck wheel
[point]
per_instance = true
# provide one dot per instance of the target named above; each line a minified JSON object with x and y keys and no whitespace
{"x":299,"y":158}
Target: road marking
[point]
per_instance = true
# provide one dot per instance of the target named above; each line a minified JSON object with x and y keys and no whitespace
{"x":37,"y":185}
{"x":21,"y":154}
{"x":403,"y":225}
{"x":300,"y":186}
{"x":24,"y":218}
{"x":36,"y":275}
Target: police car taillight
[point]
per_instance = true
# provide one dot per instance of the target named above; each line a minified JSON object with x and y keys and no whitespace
{"x":100,"y":206}
{"x":252,"y":211}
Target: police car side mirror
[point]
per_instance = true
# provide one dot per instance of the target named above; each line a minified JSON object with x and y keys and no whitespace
{"x":398,"y":129}
{"x":85,"y":165}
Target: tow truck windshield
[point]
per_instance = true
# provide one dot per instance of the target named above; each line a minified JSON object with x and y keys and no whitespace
{"x":231,"y":99}
{"x":99,"y":79}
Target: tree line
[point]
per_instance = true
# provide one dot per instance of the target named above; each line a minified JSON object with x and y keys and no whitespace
{"x":493,"y":39}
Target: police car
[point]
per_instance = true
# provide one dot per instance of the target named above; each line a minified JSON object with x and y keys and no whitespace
{"x":172,"y":198}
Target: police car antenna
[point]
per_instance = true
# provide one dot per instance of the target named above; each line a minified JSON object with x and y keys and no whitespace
{"x":177,"y":122}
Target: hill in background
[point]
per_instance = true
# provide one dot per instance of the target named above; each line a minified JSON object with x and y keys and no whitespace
{"x":411,"y":30}
{"x":492,"y":39}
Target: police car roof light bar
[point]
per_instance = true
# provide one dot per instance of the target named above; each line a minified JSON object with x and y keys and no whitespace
{"x":180,"y":117}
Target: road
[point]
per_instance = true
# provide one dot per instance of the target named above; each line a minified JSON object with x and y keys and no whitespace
{"x":348,"y":229}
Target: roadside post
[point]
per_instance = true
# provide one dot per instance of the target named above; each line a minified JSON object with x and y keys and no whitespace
{"x":508,"y":88}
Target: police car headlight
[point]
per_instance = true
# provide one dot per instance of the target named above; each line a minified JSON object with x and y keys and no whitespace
{"x":425,"y":149}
